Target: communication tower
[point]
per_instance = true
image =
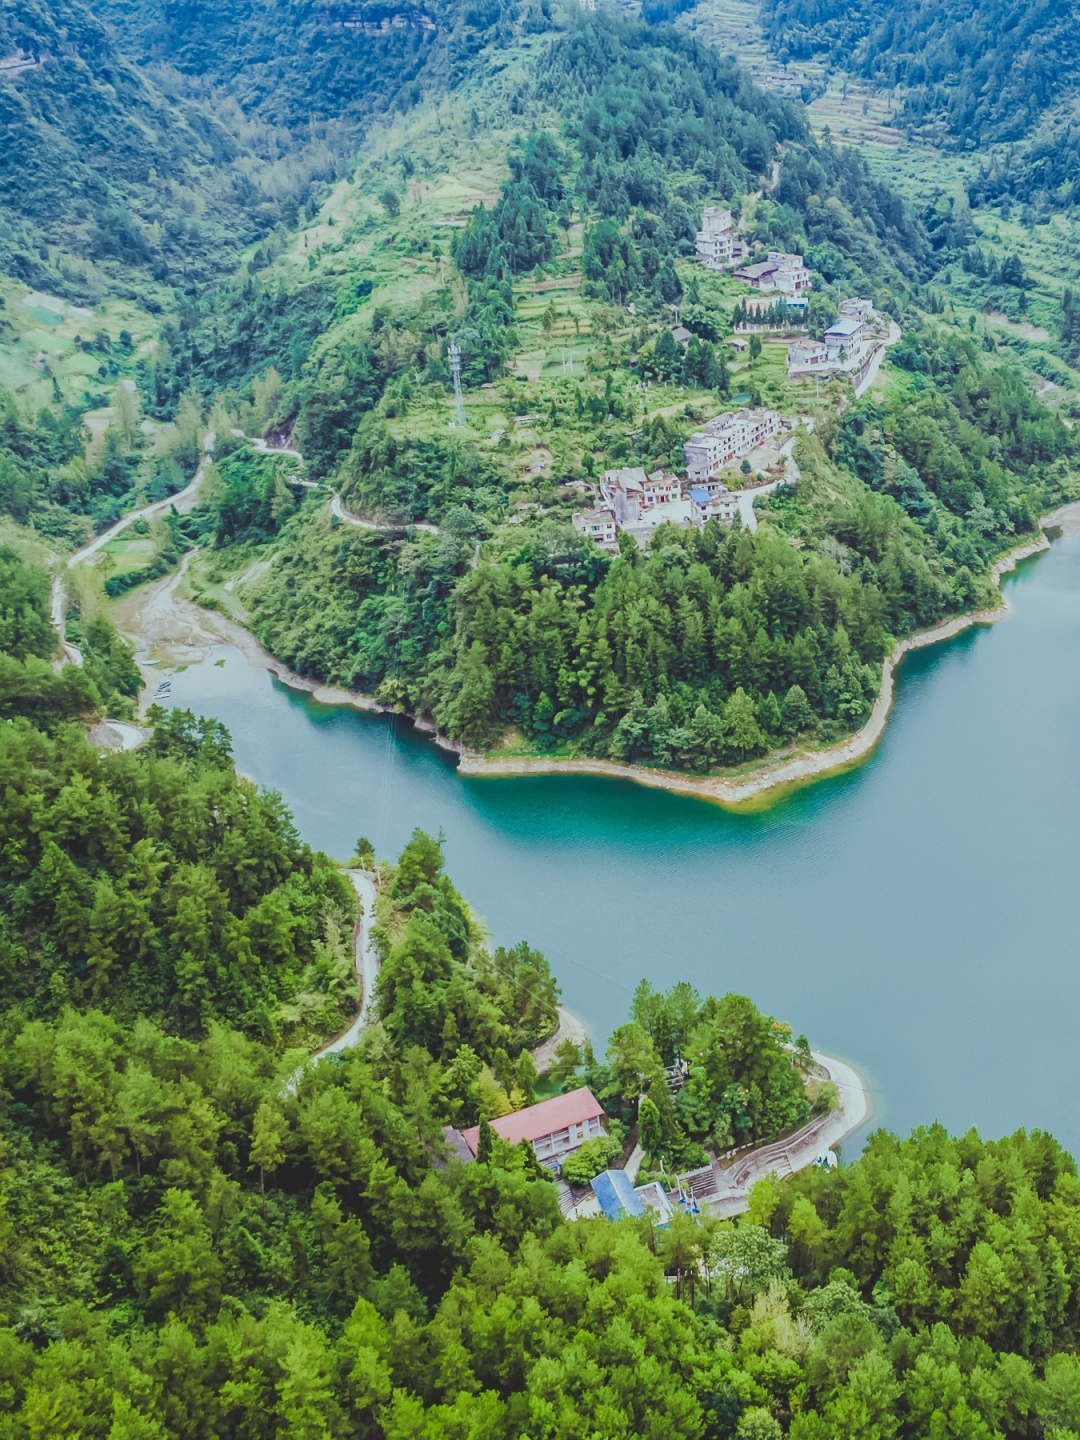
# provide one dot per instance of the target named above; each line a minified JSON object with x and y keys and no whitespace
{"x":455,"y":367}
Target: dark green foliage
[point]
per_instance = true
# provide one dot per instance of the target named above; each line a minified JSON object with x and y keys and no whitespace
{"x":258,"y":494}
{"x":987,"y":1208}
{"x":741,"y":1080}
{"x":97,"y":161}
{"x":439,"y":991}
{"x":657,"y":660}
{"x":396,"y":477}
{"x":981,"y":71}
{"x":30,"y":686}
{"x":230,"y":334}
{"x":32,"y":452}
{"x":158,"y":884}
{"x":366,"y":608}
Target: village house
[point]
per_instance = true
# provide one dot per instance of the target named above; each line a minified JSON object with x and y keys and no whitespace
{"x":780,"y":274}
{"x":599,"y":526}
{"x":619,"y":1198}
{"x":726,"y":438}
{"x":714,"y":242}
{"x":554,"y":1128}
{"x":715,"y":503}
{"x":806,"y":357}
{"x":847,"y":348}
{"x":630,"y":492}
{"x":683,"y":513}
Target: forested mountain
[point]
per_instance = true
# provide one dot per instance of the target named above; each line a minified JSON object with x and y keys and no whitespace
{"x":980,"y":70}
{"x":98,"y":163}
{"x":992,"y":76}
{"x":293,"y":61}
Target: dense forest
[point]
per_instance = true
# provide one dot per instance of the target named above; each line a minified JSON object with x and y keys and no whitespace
{"x":204,"y":1237}
{"x":709,"y":647}
{"x":101,"y":165}
{"x":982,"y":72}
{"x":993,"y":76}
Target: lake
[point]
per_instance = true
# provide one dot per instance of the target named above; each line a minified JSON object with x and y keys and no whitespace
{"x":917,"y":916}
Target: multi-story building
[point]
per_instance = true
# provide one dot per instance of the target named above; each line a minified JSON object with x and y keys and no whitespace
{"x":726,"y":438}
{"x":599,"y":526}
{"x":843,"y":339}
{"x":713,"y":244}
{"x":780,"y":274}
{"x":714,"y":502}
{"x":806,"y":357}
{"x":555,"y":1128}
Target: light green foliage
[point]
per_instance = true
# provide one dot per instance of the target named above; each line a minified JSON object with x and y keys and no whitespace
{"x":594,"y":1156}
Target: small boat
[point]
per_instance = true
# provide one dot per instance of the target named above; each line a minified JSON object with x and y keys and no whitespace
{"x":165,"y":688}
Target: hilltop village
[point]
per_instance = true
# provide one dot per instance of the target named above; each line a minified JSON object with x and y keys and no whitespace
{"x":745,"y":451}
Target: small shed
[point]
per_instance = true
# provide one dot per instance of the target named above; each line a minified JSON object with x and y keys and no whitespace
{"x":738,"y":344}
{"x":681,"y":335}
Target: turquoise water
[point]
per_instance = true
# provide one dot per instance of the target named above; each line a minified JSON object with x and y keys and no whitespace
{"x":918,"y":916}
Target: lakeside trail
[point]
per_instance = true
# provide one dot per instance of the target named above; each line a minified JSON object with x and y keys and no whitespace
{"x":784,"y":1157}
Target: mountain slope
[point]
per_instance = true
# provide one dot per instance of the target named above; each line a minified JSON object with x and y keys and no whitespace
{"x":98,"y":163}
{"x":293,"y":61}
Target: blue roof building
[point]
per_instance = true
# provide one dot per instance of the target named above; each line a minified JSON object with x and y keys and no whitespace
{"x":615,"y":1191}
{"x":699,"y":497}
{"x":845,"y":328}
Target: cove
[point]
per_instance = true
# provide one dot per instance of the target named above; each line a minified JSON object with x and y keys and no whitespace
{"x":919,"y":916}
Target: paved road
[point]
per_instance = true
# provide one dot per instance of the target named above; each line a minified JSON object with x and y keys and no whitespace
{"x":366,"y":962}
{"x":184,"y":501}
{"x":875,"y":364}
{"x":338,"y":509}
{"x":747,"y":497}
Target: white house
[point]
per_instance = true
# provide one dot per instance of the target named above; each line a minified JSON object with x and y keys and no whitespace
{"x":683,"y":513}
{"x":555,"y":1128}
{"x":714,"y":503}
{"x":728,"y":437}
{"x":780,"y":274}
{"x":857,"y":309}
{"x":630,"y":492}
{"x":806,"y":357}
{"x":704,"y":455}
{"x":713,"y":244}
{"x":843,"y":339}
{"x":599,"y":526}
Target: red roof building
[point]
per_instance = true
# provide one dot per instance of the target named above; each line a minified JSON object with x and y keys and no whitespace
{"x":555,"y":1127}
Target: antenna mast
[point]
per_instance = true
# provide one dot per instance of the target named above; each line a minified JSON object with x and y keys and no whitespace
{"x":455,"y":366}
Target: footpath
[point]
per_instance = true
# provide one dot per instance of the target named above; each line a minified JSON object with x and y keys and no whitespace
{"x":784,"y":1157}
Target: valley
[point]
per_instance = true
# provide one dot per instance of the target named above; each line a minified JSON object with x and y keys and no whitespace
{"x":440,"y":447}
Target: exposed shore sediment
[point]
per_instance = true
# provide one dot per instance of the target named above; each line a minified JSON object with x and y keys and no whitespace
{"x":162,"y":619}
{"x":776,"y":774}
